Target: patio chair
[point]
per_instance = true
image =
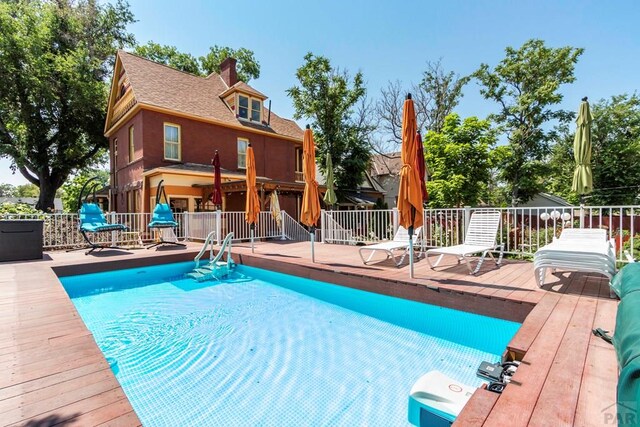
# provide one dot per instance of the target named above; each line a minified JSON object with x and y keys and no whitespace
{"x":92,"y":220}
{"x":480,"y":238}
{"x":400,"y":242}
{"x":583,"y":233}
{"x":590,"y":253}
{"x":163,"y":220}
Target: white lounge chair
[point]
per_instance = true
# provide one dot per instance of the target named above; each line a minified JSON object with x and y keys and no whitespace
{"x":584,"y":250}
{"x":480,"y":238}
{"x":400,"y":242}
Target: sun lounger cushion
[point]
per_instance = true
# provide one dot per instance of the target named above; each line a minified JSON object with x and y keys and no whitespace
{"x":627,"y":280}
{"x":162,"y":217}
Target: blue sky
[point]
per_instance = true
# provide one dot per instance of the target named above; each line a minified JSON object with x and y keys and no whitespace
{"x":390,"y":43}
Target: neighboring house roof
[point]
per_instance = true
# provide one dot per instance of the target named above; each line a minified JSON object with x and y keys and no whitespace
{"x":386,"y":164}
{"x":545,"y":200}
{"x":31,"y":201}
{"x":389,"y":164}
{"x":161,"y":86}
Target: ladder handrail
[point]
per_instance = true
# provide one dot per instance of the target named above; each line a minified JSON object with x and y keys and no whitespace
{"x":226,"y":244}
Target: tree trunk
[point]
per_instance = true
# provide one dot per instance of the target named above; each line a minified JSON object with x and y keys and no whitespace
{"x":47,"y":196}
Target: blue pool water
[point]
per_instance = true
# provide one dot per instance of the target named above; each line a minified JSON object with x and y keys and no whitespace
{"x":268,"y":349}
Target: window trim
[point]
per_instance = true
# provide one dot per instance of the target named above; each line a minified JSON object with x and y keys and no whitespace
{"x":248,"y":106}
{"x":132,"y":148}
{"x":164,"y":141}
{"x":250,"y":109}
{"x":246,"y":141}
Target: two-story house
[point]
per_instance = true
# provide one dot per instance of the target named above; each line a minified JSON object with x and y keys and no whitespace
{"x":165,"y":124}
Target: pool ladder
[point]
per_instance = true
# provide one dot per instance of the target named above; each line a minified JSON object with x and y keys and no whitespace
{"x":216,"y":268}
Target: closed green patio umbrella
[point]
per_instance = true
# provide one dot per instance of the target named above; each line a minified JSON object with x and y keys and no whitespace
{"x":582,"y":178}
{"x":330,"y":196}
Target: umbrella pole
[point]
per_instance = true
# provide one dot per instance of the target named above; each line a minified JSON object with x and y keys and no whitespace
{"x":413,"y":217}
{"x":251,"y":232}
{"x":313,"y":236}
{"x":581,"y":211}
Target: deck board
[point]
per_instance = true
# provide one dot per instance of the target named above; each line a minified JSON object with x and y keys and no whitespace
{"x":55,"y":372}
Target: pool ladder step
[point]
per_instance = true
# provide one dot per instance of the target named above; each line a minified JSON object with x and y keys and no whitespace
{"x":216,"y":268}
{"x":211,"y":271}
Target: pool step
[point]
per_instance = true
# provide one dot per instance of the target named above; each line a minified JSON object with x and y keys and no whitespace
{"x":211,"y":271}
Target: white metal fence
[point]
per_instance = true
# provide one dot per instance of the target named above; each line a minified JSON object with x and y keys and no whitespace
{"x":200,"y":224}
{"x":522,"y":230}
{"x":60,"y":231}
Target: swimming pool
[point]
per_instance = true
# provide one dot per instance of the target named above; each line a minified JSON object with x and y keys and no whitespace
{"x":264,"y":348}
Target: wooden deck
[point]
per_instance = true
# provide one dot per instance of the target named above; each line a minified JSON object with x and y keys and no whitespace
{"x":54,"y":373}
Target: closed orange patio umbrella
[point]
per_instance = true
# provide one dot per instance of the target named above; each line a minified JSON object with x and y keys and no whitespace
{"x":252,"y":207}
{"x":310,"y":199}
{"x":409,"y":194}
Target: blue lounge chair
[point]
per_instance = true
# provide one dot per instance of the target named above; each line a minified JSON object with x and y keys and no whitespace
{"x":162,"y":217}
{"x":92,"y":219}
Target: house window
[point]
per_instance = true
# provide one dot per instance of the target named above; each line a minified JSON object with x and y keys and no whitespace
{"x":299,"y":174}
{"x":242,"y":153}
{"x":171,"y":142}
{"x":249,"y":108}
{"x":132,"y":151}
{"x":243,"y":107}
{"x":256,"y":109}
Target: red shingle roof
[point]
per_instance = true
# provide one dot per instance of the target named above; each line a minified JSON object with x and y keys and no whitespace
{"x":162,"y":86}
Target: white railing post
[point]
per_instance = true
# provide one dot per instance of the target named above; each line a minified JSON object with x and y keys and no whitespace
{"x":323,"y":224}
{"x":467,"y":218}
{"x":186,"y":222}
{"x":112,"y":220}
{"x":283,"y":234}
{"x":396,"y":221}
{"x":219,"y":226}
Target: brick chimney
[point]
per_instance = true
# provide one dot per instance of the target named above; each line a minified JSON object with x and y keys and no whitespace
{"x":228,"y":71}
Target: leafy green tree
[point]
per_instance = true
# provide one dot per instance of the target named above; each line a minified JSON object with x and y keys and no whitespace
{"x":55,"y":59}
{"x":526,"y":85}
{"x":615,"y":140}
{"x":459,"y":160}
{"x":330,"y":99}
{"x":247,"y":67}
{"x":27,"y":190}
{"x":169,"y":55}
{"x":71,"y":188}
{"x":8,"y":190}
{"x":18,"y":208}
{"x":444,"y":91}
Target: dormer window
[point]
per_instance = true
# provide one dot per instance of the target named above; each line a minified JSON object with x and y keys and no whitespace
{"x":243,"y":107}
{"x":250,"y":108}
{"x":256,"y":109}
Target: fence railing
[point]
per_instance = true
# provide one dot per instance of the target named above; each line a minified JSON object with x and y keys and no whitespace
{"x":200,"y":224}
{"x":293,"y":230}
{"x":60,"y":231}
{"x":522,"y":230}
